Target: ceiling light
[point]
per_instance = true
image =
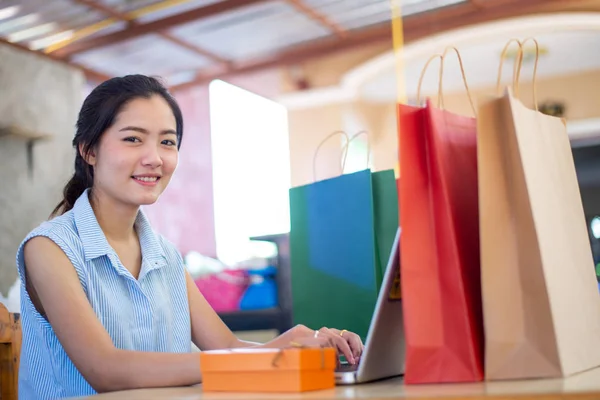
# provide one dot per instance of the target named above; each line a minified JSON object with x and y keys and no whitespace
{"x":31,"y":32}
{"x":16,"y":23}
{"x":9,"y":12}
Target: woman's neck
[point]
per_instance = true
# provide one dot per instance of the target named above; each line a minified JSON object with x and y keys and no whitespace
{"x":116,"y":219}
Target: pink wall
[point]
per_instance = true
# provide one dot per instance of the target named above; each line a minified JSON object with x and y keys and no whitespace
{"x":265,"y":83}
{"x":184,"y":214}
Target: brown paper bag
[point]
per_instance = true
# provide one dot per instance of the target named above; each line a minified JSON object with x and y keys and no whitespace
{"x":540,"y":298}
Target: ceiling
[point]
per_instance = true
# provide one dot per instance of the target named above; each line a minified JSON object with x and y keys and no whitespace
{"x":192,"y":41}
{"x":562,"y":53}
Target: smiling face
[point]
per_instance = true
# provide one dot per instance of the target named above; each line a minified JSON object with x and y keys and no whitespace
{"x":136,"y":157}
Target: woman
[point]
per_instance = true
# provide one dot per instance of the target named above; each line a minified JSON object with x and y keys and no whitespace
{"x":107,"y":303}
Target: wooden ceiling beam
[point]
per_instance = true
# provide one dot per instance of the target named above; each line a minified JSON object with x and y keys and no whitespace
{"x":315,"y":15}
{"x":90,"y":74}
{"x":579,"y":5}
{"x":477,"y":3}
{"x":415,"y":27}
{"x":165,"y":35}
{"x":154,"y":26}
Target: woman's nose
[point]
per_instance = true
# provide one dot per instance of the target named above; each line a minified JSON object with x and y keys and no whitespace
{"x":152,"y":157}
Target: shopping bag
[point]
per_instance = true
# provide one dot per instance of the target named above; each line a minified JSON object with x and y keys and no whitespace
{"x":540,"y":298}
{"x":385,"y":208}
{"x":386,"y":217}
{"x":335,"y":242}
{"x":440,"y":244}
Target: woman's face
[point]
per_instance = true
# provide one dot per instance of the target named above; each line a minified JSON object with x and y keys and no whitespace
{"x":136,"y":157}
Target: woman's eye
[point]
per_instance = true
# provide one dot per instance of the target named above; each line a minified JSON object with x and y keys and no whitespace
{"x":132,"y":139}
{"x":169,"y":142}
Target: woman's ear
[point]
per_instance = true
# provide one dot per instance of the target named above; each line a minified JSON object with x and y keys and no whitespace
{"x":89,"y":157}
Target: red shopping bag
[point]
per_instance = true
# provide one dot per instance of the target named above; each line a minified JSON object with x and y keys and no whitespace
{"x":440,"y":266}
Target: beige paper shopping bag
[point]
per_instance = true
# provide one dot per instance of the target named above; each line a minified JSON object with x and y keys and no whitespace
{"x":540,"y":298}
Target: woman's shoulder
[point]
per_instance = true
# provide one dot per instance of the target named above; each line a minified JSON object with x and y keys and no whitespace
{"x":62,"y":227}
{"x":61,"y":230}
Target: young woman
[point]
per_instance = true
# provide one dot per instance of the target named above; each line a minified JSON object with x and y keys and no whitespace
{"x":106,"y":302}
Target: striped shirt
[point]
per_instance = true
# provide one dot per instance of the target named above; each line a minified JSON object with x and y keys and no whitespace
{"x":150,"y":313}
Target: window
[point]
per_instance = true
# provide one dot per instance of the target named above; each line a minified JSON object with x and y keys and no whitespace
{"x":357,"y":157}
{"x":595,"y":225}
{"x":251,"y":169}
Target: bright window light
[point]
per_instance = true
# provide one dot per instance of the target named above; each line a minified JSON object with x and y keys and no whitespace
{"x":251,"y":169}
{"x":596,"y":227}
{"x":357,"y":157}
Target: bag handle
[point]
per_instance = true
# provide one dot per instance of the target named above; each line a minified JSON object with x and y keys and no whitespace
{"x":535,"y":67}
{"x":433,"y":57}
{"x":344,"y":134}
{"x":517,"y":67}
{"x":441,"y":76}
{"x":463,"y":75}
{"x":348,"y":145}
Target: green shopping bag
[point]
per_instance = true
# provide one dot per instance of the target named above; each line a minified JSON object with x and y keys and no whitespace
{"x":342,"y":232}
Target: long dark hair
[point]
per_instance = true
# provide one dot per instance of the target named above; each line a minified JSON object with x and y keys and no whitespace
{"x":97,"y":114}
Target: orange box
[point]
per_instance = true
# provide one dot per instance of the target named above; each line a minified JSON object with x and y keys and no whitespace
{"x":268,"y":370}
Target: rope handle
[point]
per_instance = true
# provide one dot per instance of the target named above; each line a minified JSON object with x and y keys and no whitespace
{"x":517,"y":67}
{"x":344,"y":134}
{"x":433,"y":57}
{"x":346,"y":147}
{"x":442,"y":58}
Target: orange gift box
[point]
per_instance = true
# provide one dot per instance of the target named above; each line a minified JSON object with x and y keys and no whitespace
{"x":268,"y":370}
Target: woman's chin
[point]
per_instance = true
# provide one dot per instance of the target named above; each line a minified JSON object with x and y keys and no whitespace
{"x":146,"y":199}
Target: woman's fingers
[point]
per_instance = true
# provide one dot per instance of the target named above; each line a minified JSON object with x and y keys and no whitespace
{"x":347,"y":343}
{"x":341,"y":344}
{"x":353,"y":340}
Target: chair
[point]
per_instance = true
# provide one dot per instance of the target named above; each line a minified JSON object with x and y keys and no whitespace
{"x":10,"y":352}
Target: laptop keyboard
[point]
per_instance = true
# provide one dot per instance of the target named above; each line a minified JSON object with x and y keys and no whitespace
{"x":346,"y":367}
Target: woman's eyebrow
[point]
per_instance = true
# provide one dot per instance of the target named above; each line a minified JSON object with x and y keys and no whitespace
{"x":134,"y":128}
{"x":142,"y":130}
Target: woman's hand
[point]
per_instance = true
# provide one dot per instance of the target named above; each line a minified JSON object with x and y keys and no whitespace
{"x":347,"y":343}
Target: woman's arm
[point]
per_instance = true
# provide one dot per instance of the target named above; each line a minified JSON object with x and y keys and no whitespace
{"x":209,"y":332}
{"x":54,"y":279}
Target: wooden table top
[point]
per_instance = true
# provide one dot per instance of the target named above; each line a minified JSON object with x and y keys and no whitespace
{"x":583,"y":386}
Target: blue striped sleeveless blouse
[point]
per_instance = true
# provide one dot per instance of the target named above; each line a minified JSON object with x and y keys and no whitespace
{"x":150,"y":313}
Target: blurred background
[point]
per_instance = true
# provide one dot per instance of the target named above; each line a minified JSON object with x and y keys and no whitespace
{"x":261,"y":83}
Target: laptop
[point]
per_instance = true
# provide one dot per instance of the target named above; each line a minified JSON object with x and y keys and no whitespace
{"x":384,"y":352}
